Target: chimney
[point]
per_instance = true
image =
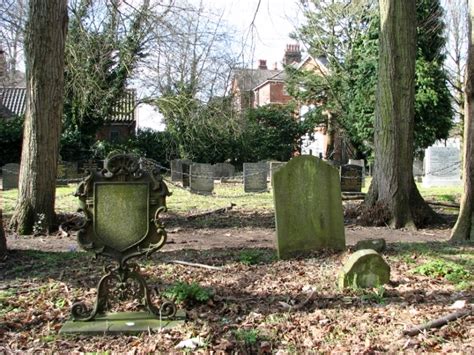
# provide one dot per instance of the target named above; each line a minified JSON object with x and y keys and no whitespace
{"x":292,"y":54}
{"x":262,"y":64}
{"x":275,"y":66}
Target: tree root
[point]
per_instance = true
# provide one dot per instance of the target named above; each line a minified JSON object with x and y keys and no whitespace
{"x":439,"y":322}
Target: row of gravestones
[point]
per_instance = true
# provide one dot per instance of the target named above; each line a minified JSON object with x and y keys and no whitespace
{"x":66,"y":171}
{"x":200,"y":177}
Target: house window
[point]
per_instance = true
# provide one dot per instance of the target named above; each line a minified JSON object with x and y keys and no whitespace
{"x":114,"y":136}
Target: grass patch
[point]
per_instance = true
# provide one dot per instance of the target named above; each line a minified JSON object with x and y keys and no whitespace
{"x":450,"y":194}
{"x":254,"y":256}
{"x":183,"y":201}
{"x":65,"y":201}
{"x":376,"y":295}
{"x":438,"y":268}
{"x":183,"y":292}
{"x":454,"y":263}
{"x":248,"y":336}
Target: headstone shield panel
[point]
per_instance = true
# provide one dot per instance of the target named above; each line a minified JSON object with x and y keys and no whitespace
{"x":121,"y":213}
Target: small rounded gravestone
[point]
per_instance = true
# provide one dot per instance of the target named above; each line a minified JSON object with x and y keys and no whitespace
{"x":379,"y":244}
{"x":364,"y":269}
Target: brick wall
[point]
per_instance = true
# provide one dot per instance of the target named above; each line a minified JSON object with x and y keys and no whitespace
{"x":271,"y":93}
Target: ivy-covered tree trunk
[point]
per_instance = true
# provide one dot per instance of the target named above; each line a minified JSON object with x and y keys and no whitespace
{"x":3,"y":239}
{"x":464,"y":228}
{"x":44,"y":53}
{"x":393,"y":185}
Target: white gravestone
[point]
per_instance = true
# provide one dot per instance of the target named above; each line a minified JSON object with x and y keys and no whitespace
{"x":442,"y":166}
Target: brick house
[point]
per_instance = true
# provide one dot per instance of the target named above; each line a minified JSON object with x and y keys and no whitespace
{"x":271,"y":91}
{"x":243,"y":83}
{"x":118,"y":127}
{"x":121,"y":125}
{"x":263,"y":86}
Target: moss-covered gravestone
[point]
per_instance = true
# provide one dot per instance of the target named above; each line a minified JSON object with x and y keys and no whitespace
{"x":308,"y":207}
{"x":364,"y":269}
{"x":122,"y":204}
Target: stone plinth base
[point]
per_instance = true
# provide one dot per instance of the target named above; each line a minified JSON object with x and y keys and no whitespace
{"x":121,"y":323}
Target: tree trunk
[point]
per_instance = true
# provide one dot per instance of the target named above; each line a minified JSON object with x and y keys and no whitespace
{"x":393,"y":185}
{"x":464,"y":228}
{"x":44,"y":53}
{"x":3,"y":239}
{"x":330,"y":143}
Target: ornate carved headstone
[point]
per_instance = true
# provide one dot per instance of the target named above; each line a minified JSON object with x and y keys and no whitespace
{"x":308,"y":207}
{"x":122,"y":204}
{"x":255,"y":177}
{"x":201,"y":178}
{"x":10,"y":175}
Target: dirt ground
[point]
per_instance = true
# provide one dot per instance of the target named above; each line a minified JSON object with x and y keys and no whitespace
{"x":259,"y":305}
{"x":235,"y":229}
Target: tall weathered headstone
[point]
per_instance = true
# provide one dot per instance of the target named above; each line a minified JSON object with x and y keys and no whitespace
{"x":223,"y":170}
{"x":61,"y":175}
{"x":201,"y":179}
{"x":418,"y":167}
{"x":351,"y":178}
{"x":10,"y":176}
{"x":308,"y":207}
{"x":442,"y":166}
{"x":67,"y":171}
{"x":89,"y":165}
{"x":177,"y":168}
{"x":175,"y":173}
{"x":185,"y":173}
{"x":361,"y":163}
{"x":255,"y":177}
{"x":275,"y":166}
